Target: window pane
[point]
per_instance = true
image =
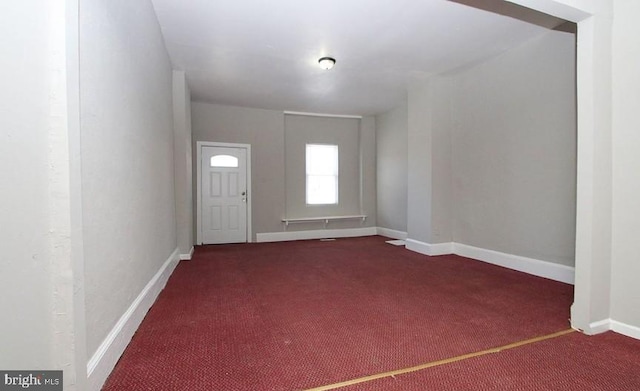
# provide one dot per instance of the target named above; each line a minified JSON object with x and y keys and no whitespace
{"x":224,"y":161}
{"x":322,"y":174}
{"x":322,"y":159}
{"x":322,"y":189}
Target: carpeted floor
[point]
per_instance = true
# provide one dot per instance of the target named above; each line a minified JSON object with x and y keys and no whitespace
{"x":297,"y":315}
{"x":575,"y":362}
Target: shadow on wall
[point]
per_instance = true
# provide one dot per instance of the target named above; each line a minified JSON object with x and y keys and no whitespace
{"x":519,"y":12}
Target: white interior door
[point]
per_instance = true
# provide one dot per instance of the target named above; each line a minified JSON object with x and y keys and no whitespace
{"x":223,"y":195}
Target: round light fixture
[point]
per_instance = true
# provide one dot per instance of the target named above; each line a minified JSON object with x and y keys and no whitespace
{"x":327,"y":62}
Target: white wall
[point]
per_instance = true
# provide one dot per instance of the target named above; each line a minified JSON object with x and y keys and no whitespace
{"x":592,"y":294}
{"x":26,"y":268}
{"x":625,"y":295}
{"x":264,"y":130}
{"x":40,"y":292}
{"x":127,"y":157}
{"x":182,"y":151}
{"x":514,"y":151}
{"x":391,"y":163}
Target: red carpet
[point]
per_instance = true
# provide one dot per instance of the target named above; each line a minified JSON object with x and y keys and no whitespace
{"x":606,"y":362}
{"x":296,"y":315}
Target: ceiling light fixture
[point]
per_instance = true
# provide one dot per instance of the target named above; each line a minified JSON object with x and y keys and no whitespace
{"x":327,"y":62}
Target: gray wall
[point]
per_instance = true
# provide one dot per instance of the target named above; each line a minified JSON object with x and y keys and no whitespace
{"x":391,"y":155}
{"x":345,"y":133}
{"x":429,"y":162}
{"x":369,"y":199}
{"x":514,"y":151}
{"x":182,"y":154}
{"x":441,"y":145}
{"x":491,"y":153}
{"x":419,"y":164}
{"x":127,"y":157}
{"x":264,"y":130}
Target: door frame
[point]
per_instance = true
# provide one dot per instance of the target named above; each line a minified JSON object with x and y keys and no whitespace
{"x":199,"y":146}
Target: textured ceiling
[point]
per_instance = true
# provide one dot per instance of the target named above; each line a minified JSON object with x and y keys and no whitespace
{"x":264,"y":54}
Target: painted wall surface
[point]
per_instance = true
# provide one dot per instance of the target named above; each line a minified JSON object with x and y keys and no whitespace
{"x":592,"y":293}
{"x":442,"y":118}
{"x":391,"y":154}
{"x":26,"y":268}
{"x":182,"y":153}
{"x":41,"y":295}
{"x":345,"y":133}
{"x":127,"y":157}
{"x":419,"y":164}
{"x":264,"y":130}
{"x":514,"y":151}
{"x":607,"y":46}
{"x":625,"y":297}
{"x":368,"y":157}
{"x":429,"y":162}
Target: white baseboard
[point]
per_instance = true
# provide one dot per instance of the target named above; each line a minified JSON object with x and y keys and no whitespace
{"x":598,"y":327}
{"x":429,"y":249}
{"x":315,"y":234}
{"x":625,"y":329}
{"x":106,"y":356}
{"x":613,"y":325}
{"x":391,"y":233}
{"x":187,"y":257}
{"x":536,"y":267}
